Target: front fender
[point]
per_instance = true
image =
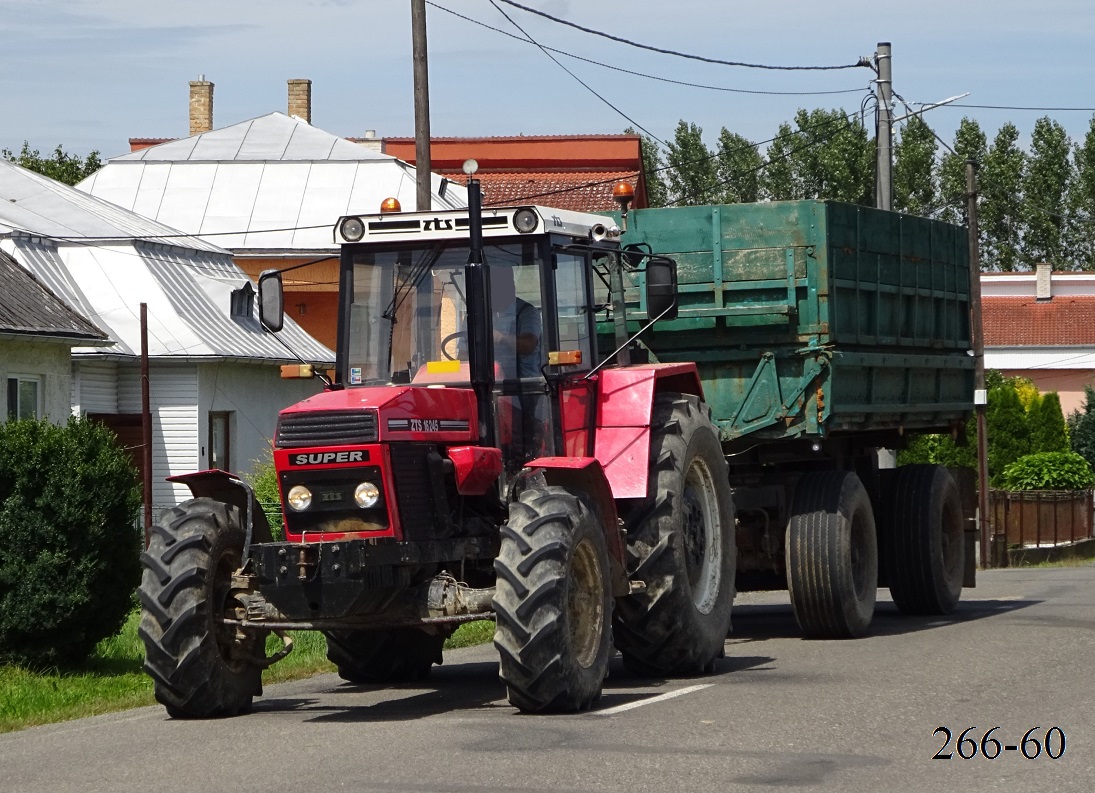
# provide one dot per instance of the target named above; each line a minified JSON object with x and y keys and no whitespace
{"x":230,"y":489}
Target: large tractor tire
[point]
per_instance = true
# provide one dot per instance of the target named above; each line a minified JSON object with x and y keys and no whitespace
{"x":921,"y":539}
{"x":552,"y":602}
{"x":199,"y":666}
{"x":681,"y":544}
{"x":832,"y":556}
{"x":397,"y":655}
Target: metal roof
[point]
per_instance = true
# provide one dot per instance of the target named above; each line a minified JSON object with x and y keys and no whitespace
{"x":29,"y":308}
{"x":187,"y":284}
{"x":40,"y":206}
{"x":271,"y":184}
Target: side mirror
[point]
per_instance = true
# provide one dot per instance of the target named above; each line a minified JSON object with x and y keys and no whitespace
{"x":661,"y":288}
{"x":271,"y":300}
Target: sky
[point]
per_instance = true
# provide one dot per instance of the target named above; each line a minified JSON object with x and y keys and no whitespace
{"x":89,"y":76}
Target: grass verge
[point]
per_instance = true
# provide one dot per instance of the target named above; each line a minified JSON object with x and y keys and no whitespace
{"x":113,"y":678}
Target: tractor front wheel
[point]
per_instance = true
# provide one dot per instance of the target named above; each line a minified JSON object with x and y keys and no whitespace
{"x":553,"y":602}
{"x":201,"y":667}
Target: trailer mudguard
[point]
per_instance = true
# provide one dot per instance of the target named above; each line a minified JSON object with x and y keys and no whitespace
{"x":625,"y":402}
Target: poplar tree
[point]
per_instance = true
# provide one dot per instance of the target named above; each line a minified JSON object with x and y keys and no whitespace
{"x":1002,"y":213}
{"x":691,"y":177}
{"x":915,"y":188}
{"x":1045,"y":188}
{"x":738,"y":167}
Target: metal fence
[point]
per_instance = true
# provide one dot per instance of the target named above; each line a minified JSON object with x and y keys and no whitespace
{"x":1042,"y":518}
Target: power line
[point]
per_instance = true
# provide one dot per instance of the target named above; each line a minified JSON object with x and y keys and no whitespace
{"x":602,"y":34}
{"x":576,"y":77}
{"x":643,"y":74}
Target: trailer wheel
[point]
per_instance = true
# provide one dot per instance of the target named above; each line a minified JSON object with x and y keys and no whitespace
{"x":397,"y":655}
{"x":681,"y":544}
{"x":200,"y":667}
{"x":922,"y":539}
{"x":832,"y":556}
{"x":552,"y":602}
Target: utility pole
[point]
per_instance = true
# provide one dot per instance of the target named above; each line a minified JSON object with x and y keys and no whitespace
{"x":883,"y":187}
{"x":980,"y":397}
{"x":422,"y":164}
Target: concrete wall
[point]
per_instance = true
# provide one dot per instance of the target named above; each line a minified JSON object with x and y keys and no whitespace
{"x":50,"y":362}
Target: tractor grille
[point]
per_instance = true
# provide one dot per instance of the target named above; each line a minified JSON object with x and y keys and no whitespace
{"x":413,"y":490}
{"x":333,"y":428}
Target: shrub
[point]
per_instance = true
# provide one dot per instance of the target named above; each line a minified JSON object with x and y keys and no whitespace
{"x":1009,"y":433}
{"x":264,"y":481}
{"x":1048,"y":471}
{"x":69,"y":545}
{"x":1081,"y":427}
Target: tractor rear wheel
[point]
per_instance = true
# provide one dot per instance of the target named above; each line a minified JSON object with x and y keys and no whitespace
{"x":552,"y":602}
{"x":200,"y":667}
{"x":922,"y":539}
{"x":396,"y":655}
{"x":681,"y":544}
{"x":832,"y":555}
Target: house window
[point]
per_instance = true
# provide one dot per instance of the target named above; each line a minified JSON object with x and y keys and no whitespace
{"x":24,"y":397}
{"x":220,"y":446}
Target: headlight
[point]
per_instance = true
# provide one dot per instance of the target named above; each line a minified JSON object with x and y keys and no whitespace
{"x":352,"y":229}
{"x":366,"y":495}
{"x":525,"y":220}
{"x":299,"y":498}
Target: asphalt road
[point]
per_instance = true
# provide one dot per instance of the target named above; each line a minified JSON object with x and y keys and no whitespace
{"x":780,"y":712}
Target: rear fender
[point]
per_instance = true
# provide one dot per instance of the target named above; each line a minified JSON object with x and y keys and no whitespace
{"x":585,"y":475}
{"x":625,"y":402}
{"x":230,"y":489}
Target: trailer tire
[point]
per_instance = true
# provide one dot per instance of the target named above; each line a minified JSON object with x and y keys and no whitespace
{"x":396,"y":655}
{"x":199,"y":668}
{"x":552,"y":602}
{"x":681,"y":544}
{"x":832,"y":556}
{"x":921,"y":538}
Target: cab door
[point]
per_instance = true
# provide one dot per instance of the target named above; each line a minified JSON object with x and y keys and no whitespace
{"x":574,"y":342}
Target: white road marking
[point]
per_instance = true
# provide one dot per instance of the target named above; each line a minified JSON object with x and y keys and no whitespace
{"x":660,"y":698}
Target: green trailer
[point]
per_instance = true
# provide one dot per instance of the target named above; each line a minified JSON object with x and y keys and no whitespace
{"x":824,"y":332}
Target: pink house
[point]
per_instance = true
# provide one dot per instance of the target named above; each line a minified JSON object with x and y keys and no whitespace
{"x":1041,"y":325}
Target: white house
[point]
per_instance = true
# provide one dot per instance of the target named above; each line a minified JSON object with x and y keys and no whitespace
{"x":214,"y":381}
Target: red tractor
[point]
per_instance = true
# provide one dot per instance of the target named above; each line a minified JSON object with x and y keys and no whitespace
{"x":479,"y":453}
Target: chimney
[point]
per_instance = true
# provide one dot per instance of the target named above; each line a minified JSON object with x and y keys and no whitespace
{"x":201,"y":105}
{"x":1043,"y":282}
{"x":300,"y":99}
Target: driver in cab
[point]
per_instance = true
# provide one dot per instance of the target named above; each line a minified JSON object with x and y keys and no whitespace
{"x":517,"y":327}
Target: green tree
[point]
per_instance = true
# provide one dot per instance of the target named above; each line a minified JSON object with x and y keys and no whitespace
{"x":969,"y":144}
{"x":1002,"y":210}
{"x":1081,"y":425}
{"x":1079,"y":229}
{"x":777,"y":178}
{"x":1047,"y":425}
{"x":67,"y":168}
{"x":1045,"y":190}
{"x":1009,"y":432}
{"x":832,"y":158}
{"x":915,"y":188}
{"x":653,"y":168}
{"x":738,"y":167}
{"x":692,"y":175}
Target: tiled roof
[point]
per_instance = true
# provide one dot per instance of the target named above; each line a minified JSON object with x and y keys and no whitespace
{"x":27,"y":307}
{"x":581,"y":191}
{"x":1024,"y":321}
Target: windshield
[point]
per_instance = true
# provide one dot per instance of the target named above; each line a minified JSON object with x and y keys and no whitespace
{"x":408,"y":317}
